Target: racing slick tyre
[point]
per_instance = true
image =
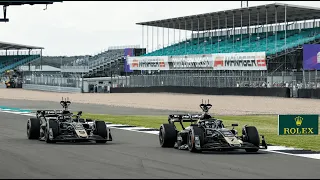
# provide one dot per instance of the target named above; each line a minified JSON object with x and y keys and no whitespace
{"x":167,"y":135}
{"x":33,"y":128}
{"x":100,"y":130}
{"x":54,"y":126}
{"x":251,"y":135}
{"x":195,"y":131}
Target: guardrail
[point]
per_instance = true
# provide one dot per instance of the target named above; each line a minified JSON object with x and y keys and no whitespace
{"x":51,"y":88}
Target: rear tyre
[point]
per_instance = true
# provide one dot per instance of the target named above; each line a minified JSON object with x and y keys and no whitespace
{"x":33,"y":128}
{"x":167,"y":135}
{"x":195,"y":131}
{"x":251,"y":136}
{"x":100,"y":130}
{"x":54,"y":126}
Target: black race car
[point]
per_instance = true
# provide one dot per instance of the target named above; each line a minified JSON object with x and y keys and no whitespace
{"x":208,"y":133}
{"x":62,"y":125}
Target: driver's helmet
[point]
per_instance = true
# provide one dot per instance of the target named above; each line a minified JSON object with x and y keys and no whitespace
{"x":208,"y":124}
{"x":205,"y":116}
{"x":66,"y":112}
{"x":66,"y":118}
{"x":219,"y":124}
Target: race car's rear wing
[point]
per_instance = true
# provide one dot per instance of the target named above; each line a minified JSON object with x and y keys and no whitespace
{"x":184,"y":117}
{"x":181,"y":118}
{"x":48,"y":112}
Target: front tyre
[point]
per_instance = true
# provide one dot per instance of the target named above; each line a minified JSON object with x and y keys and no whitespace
{"x":100,"y":130}
{"x":167,"y":135}
{"x":53,"y":131}
{"x":33,"y":128}
{"x":251,"y":135}
{"x":193,"y":133}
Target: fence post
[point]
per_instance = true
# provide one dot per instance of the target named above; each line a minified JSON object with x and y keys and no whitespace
{"x":303,"y":79}
{"x":316,"y":78}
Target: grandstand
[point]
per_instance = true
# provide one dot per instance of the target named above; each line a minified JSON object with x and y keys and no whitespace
{"x":277,"y":29}
{"x":274,"y":32}
{"x":15,"y":55}
{"x":107,"y":63}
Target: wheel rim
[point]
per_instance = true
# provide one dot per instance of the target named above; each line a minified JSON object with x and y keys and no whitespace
{"x":28,"y":128}
{"x":46,"y":135}
{"x":161,"y":136}
{"x":190,"y":141}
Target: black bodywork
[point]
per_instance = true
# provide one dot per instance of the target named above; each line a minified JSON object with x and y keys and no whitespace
{"x":208,"y":133}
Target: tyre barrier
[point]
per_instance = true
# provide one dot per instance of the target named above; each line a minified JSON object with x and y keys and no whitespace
{"x":239,"y":91}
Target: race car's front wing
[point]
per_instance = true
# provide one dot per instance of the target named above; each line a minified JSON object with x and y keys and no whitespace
{"x":66,"y":138}
{"x":219,"y":146}
{"x":216,"y":146}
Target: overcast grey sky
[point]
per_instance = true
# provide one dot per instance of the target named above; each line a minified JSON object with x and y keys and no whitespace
{"x":79,"y":28}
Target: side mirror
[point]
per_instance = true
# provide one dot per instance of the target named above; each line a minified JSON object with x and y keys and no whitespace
{"x":234,"y":125}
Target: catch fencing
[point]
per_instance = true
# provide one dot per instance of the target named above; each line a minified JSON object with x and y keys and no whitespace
{"x":304,"y":79}
{"x":205,"y":78}
{"x":53,"y":80}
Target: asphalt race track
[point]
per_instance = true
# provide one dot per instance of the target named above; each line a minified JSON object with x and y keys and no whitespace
{"x":131,"y":155}
{"x":88,"y":108}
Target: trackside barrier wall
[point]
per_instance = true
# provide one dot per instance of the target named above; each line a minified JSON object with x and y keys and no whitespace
{"x":51,"y":88}
{"x":242,"y":91}
{"x":309,"y":93}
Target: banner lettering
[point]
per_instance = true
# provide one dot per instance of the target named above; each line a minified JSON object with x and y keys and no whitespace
{"x":191,"y":62}
{"x":229,"y":61}
{"x":240,"y":61}
{"x":148,"y":63}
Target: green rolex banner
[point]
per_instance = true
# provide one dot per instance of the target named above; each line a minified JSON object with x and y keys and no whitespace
{"x":298,"y":124}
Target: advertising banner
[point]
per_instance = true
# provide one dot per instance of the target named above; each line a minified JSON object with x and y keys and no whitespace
{"x":227,"y":61}
{"x":148,"y":63}
{"x":298,"y":124}
{"x":240,"y":61}
{"x":191,"y":62}
{"x":127,"y":53}
{"x":311,"y":56}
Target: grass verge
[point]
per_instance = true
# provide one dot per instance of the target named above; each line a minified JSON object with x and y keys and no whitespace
{"x":266,"y":125}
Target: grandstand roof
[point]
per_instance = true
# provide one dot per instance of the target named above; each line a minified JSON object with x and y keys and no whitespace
{"x":11,"y":46}
{"x":294,"y":13}
{"x":15,"y":2}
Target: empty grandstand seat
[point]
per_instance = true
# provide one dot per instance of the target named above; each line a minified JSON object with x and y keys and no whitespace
{"x":251,"y":43}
